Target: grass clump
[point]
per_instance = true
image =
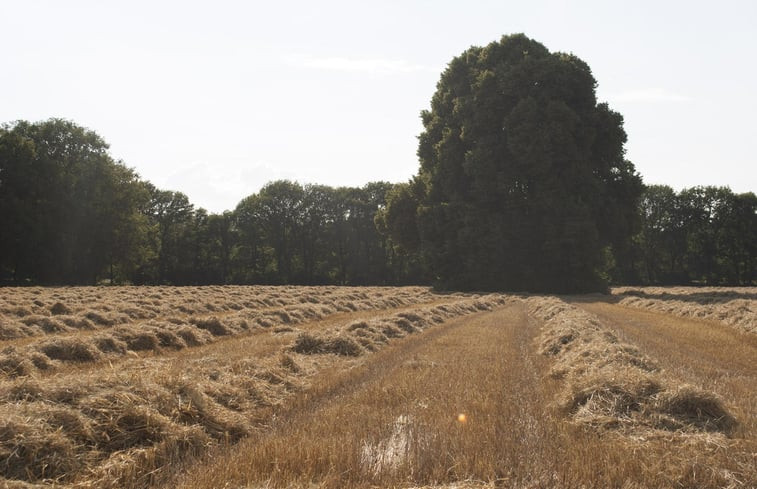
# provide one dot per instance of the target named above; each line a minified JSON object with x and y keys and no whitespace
{"x":688,"y":406}
{"x":14,"y":364}
{"x":70,"y":350}
{"x":33,"y":449}
{"x":307,"y":344}
{"x":59,"y":308}
{"x":212,"y":325}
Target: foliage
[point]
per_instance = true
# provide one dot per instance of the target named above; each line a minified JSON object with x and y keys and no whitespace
{"x":703,"y":235}
{"x":68,"y":211}
{"x":522,"y":179}
{"x":70,"y":214}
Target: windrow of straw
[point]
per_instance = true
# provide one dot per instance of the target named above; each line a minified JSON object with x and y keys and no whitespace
{"x":123,"y":428}
{"x":175,"y":333}
{"x":132,"y":424}
{"x":35,"y":311}
{"x":610,"y":385}
{"x":736,"y":307}
{"x":370,"y":335}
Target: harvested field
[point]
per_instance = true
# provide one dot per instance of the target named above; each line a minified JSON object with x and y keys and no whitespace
{"x":119,"y":406}
{"x":736,"y":307}
{"x":251,"y":387}
{"x":44,"y":329}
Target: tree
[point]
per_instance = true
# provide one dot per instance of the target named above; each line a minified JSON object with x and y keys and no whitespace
{"x":700,"y":235}
{"x":398,"y":222}
{"x":737,"y":240}
{"x":172,"y":213}
{"x":523,"y":176}
{"x":660,"y":232}
{"x":275,"y":214}
{"x":366,"y":250}
{"x":68,"y":212}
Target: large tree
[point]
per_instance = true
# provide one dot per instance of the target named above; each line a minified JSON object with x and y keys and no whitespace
{"x":702,"y":235}
{"x":68,"y":212}
{"x":523,"y":184}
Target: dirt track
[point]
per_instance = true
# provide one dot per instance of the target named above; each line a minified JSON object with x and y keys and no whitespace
{"x":392,"y":419}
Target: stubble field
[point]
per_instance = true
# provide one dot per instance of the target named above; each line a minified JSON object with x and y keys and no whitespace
{"x":247,"y":387}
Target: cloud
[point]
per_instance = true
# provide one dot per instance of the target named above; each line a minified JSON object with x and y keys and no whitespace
{"x":381,"y":66}
{"x":649,"y":95}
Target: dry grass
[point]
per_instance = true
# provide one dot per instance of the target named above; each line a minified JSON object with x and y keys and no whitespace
{"x":97,"y":323}
{"x":363,"y":387}
{"x":36,"y":311}
{"x":123,"y":405}
{"x":713,"y":356}
{"x":610,"y":384}
{"x":735,"y":306}
{"x":393,"y":421}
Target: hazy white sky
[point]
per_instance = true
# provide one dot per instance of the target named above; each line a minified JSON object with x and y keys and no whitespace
{"x":217,"y":98}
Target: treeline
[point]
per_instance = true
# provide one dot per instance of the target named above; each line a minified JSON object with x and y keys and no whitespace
{"x":700,"y":235}
{"x":70,"y":214}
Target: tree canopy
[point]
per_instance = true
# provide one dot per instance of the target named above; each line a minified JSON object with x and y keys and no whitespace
{"x":700,"y":235}
{"x":67,"y":210}
{"x":71,"y":214}
{"x":523,"y":184}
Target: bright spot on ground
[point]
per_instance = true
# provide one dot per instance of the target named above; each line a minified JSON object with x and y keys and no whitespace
{"x":462,"y":418}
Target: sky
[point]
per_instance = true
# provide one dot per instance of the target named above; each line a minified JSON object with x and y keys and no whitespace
{"x":215,"y":99}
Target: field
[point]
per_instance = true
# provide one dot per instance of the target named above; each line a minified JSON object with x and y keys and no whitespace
{"x":252,"y":387}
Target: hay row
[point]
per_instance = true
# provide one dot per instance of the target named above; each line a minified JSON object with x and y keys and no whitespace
{"x":359,"y":337}
{"x":48,"y":354}
{"x":610,"y":385}
{"x":129,"y":426}
{"x":736,"y":307}
{"x":27,"y":312}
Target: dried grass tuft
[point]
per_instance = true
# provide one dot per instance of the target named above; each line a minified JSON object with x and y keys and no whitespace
{"x":124,"y":420}
{"x":14,"y":364}
{"x":70,"y":350}
{"x":59,"y":308}
{"x":194,"y":336}
{"x":99,"y":319}
{"x":690,"y":406}
{"x":610,"y":384}
{"x":307,"y":344}
{"x":605,"y":399}
{"x":33,"y":450}
{"x":77,"y":322}
{"x":138,"y":340}
{"x":289,"y":363}
{"x":212,"y":325}
{"x":109,"y":344}
{"x":11,"y":329}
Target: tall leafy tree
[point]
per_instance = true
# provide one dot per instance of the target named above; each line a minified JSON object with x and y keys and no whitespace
{"x":277,"y":214}
{"x":171,"y":214}
{"x":66,"y":208}
{"x":700,"y":235}
{"x":662,"y":249}
{"x":737,"y":240}
{"x":525,"y":184}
